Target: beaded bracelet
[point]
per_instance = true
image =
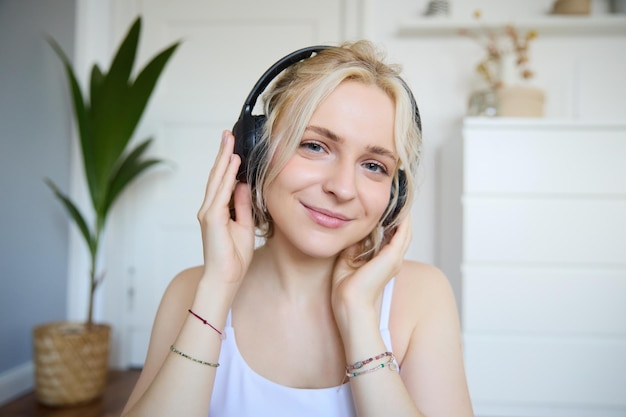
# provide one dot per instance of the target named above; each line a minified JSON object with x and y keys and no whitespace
{"x":222,"y":335}
{"x":389,"y":364}
{"x":359,"y":364}
{"x":184,"y":355}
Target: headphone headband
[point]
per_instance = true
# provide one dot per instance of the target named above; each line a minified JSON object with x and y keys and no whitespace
{"x":273,"y":71}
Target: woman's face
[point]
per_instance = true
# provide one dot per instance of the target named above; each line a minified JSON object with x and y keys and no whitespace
{"x":335,"y":188}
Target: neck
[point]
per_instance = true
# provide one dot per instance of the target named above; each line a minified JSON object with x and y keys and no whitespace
{"x":296,"y":276}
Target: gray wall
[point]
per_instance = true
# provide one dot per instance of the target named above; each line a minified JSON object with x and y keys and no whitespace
{"x":35,"y":138}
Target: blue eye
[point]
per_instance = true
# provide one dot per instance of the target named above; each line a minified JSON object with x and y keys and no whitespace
{"x":375,"y":167}
{"x":312,"y":147}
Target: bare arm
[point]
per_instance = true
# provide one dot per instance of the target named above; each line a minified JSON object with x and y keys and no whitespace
{"x":432,"y":379}
{"x":172,"y":384}
{"x":432,"y":367}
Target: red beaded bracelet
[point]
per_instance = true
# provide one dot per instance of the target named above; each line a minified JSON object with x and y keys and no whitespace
{"x":222,"y":335}
{"x":359,"y":364}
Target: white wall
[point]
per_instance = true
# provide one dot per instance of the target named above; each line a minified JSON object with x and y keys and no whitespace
{"x":35,"y":131}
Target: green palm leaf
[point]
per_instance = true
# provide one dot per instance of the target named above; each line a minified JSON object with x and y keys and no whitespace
{"x":141,"y":89}
{"x":130,"y":167}
{"x":85,"y":131}
{"x":97,"y":81}
{"x":74,"y":213}
{"x":122,"y":64}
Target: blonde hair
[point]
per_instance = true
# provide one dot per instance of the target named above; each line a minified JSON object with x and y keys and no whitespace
{"x":293,"y":98}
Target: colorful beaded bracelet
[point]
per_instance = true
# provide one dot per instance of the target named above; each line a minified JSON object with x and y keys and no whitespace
{"x":360,"y":364}
{"x":389,"y":364}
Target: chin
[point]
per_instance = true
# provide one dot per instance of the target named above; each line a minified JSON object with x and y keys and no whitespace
{"x":319,"y":251}
{"x":325,"y":247}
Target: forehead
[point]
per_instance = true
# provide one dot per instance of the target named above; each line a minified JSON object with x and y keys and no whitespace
{"x":358,"y":112}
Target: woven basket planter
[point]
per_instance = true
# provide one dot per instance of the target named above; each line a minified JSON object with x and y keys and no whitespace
{"x":71,"y":362}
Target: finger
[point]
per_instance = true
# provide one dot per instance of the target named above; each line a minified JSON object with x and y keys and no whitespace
{"x":222,"y":161}
{"x":396,"y":247}
{"x":402,"y":237}
{"x":243,"y":205}
{"x":344,"y":265}
{"x":225,"y":188}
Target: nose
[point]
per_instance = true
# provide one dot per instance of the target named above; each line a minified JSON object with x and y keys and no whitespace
{"x":341,"y":181}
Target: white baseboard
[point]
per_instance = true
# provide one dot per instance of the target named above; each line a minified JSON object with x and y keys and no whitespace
{"x":16,"y":381}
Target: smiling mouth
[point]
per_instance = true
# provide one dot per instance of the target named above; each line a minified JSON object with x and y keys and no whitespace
{"x":326,"y":218}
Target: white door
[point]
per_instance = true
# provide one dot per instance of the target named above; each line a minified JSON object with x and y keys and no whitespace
{"x":226,"y":46}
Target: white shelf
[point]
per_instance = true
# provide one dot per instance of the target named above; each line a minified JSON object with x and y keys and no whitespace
{"x":544,"y":25}
{"x":540,"y":123}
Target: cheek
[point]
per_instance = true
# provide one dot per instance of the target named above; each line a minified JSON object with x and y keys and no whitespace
{"x":376,"y":199}
{"x":297,"y":173}
{"x":291,"y":178}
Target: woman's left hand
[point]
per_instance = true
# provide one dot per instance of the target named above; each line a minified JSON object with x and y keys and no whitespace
{"x":358,"y":288}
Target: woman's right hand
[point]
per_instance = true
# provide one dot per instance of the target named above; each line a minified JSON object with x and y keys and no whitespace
{"x":228,"y":243}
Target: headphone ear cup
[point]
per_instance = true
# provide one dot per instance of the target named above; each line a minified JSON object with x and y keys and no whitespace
{"x":255,"y":153}
{"x":259,"y":126}
{"x":401,"y":192}
{"x":248,"y":132}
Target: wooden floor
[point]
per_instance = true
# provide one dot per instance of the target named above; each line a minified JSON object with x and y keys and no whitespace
{"x":111,"y":404}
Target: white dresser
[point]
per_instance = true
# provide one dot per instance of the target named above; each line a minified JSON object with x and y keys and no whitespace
{"x":544,"y":267}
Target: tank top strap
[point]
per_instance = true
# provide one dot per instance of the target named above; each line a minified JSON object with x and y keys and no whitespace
{"x":229,"y":318}
{"x":385,"y":308}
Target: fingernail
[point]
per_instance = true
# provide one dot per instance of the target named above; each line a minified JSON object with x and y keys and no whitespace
{"x":224,"y":136}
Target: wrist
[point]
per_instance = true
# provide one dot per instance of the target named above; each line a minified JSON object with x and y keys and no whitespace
{"x":213,"y":300}
{"x":355,"y":321}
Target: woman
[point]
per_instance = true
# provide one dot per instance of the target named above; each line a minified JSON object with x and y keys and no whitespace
{"x":325,"y":318}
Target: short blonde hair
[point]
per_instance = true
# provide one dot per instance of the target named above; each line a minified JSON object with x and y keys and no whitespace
{"x":293,"y":98}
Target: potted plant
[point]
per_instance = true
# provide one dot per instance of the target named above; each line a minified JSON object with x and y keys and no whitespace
{"x":71,"y":359}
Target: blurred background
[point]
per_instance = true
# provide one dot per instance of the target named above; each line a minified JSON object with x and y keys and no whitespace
{"x":544,"y":320}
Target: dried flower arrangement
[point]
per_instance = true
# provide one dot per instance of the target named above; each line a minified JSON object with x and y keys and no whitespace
{"x":497,"y":44}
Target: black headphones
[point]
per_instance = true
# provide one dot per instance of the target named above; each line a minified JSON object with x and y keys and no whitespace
{"x":249,"y":128}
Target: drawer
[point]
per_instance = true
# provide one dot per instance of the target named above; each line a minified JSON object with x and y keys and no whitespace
{"x":553,"y":231}
{"x":566,"y":160}
{"x":556,"y":301}
{"x":548,"y":373}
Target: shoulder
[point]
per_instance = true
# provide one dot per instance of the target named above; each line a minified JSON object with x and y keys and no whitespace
{"x":184,"y":284}
{"x":172,"y":311}
{"x":420,"y":286}
{"x":422,"y":274}
{"x":177,"y":298}
{"x":422,"y":298}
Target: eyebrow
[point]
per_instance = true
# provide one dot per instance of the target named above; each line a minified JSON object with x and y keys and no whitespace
{"x":379,"y":150}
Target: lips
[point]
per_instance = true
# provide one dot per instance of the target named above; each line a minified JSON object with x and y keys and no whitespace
{"x":326,"y":218}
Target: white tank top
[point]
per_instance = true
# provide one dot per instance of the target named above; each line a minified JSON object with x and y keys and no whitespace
{"x":240,"y":392}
